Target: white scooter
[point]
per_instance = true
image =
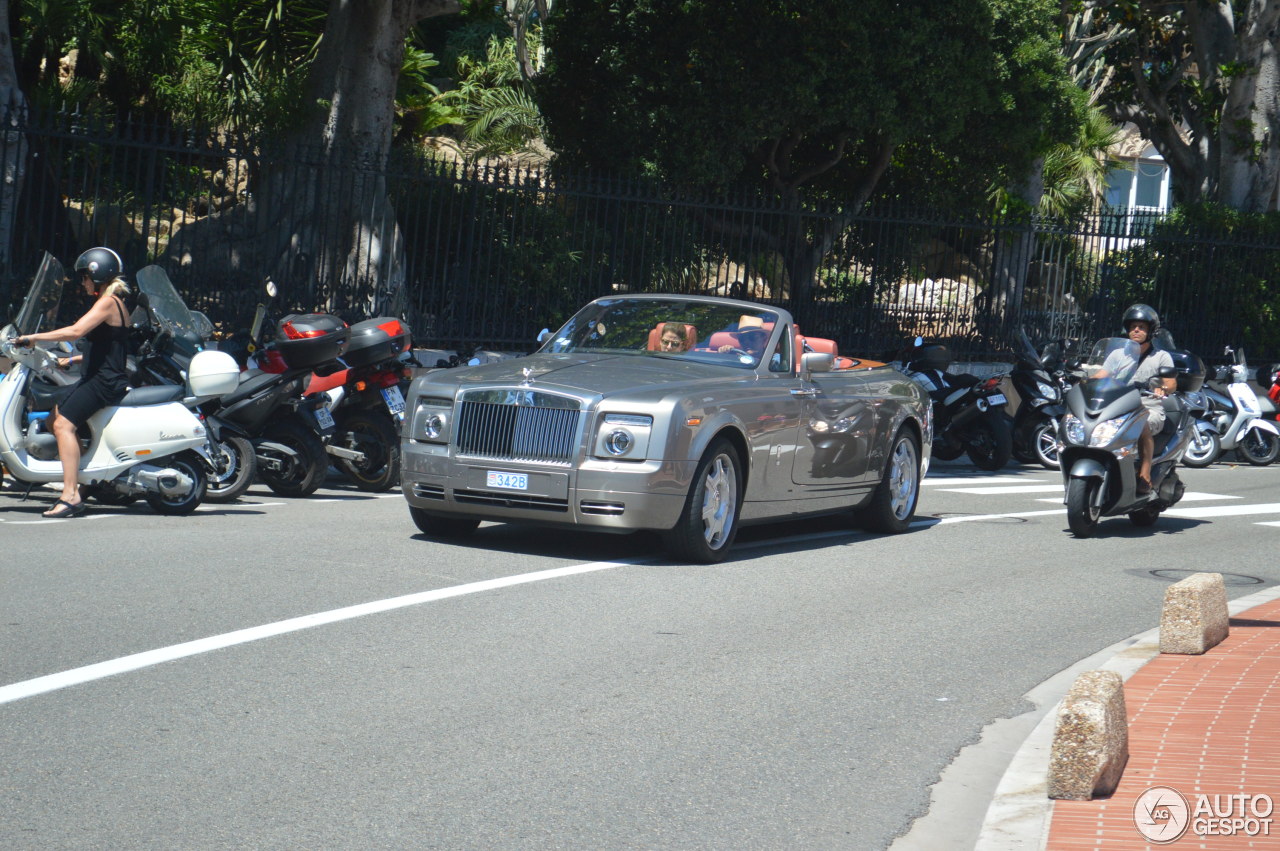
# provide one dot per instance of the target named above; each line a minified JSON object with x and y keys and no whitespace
{"x":148,"y":445}
{"x":1234,"y":420}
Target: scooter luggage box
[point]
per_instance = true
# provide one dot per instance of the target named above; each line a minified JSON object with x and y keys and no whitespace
{"x":1190,"y":369}
{"x":376,"y":340}
{"x":306,"y":340}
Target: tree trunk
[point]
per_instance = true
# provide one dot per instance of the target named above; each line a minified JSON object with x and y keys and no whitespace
{"x":1249,"y":171}
{"x":321,"y":223}
{"x":13,"y":144}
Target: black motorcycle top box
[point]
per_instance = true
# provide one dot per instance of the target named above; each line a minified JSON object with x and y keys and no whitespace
{"x":306,"y":340}
{"x":376,"y":340}
{"x":931,"y":356}
{"x":1190,"y":371}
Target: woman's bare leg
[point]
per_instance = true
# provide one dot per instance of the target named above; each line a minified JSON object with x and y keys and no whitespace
{"x":69,"y":454}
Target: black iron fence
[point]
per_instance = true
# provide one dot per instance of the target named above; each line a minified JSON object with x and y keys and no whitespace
{"x":487,"y":255}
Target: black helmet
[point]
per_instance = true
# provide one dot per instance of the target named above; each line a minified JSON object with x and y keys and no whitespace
{"x":101,"y":264}
{"x":1141,"y":313}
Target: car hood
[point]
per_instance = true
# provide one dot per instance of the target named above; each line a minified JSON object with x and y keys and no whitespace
{"x":595,"y":373}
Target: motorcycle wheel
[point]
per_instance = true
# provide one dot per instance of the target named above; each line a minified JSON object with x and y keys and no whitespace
{"x":191,"y":466}
{"x":1145,"y":516}
{"x":299,"y":477}
{"x":1044,"y":444}
{"x":1259,"y":447}
{"x":1082,"y":517}
{"x":378,"y":440}
{"x":235,"y":467}
{"x":989,"y":444}
{"x":1203,"y":450}
{"x":944,"y":450}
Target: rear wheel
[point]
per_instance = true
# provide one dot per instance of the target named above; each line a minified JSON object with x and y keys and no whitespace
{"x":192,"y":466}
{"x":989,"y":443}
{"x":234,"y":469}
{"x":378,"y":441}
{"x":1203,"y":450}
{"x":1082,"y":515}
{"x":300,"y":475}
{"x":1259,"y":447}
{"x":709,"y":522}
{"x":442,"y":525}
{"x":894,"y":502}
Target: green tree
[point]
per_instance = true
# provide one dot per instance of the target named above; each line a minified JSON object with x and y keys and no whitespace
{"x":1200,"y":79}
{"x":809,"y":101}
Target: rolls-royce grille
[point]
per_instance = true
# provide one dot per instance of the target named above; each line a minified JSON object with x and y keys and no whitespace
{"x":517,"y":432}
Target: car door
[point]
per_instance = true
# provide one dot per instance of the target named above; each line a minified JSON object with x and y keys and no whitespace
{"x":837,"y":429}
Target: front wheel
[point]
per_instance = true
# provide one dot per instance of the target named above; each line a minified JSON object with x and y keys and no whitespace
{"x":989,"y":443}
{"x":1044,"y":444}
{"x":192,"y":466}
{"x":1203,"y":450}
{"x":300,"y":473}
{"x":894,"y":502}
{"x":1082,"y":514}
{"x":1259,"y":447}
{"x":709,"y":521}
{"x":376,"y":439}
{"x":234,"y":469}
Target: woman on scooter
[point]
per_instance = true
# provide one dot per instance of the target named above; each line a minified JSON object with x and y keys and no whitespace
{"x":1141,"y":322}
{"x":105,"y":379}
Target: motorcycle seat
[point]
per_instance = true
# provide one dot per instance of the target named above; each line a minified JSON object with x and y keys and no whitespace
{"x":155,"y":395}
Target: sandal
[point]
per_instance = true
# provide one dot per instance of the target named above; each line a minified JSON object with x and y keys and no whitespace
{"x":1143,"y":487}
{"x":59,"y":512}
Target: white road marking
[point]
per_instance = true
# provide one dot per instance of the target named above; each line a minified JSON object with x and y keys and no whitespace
{"x":149,"y":658}
{"x":1267,"y":523}
{"x":971,"y":517}
{"x":998,"y":489}
{"x":974,"y":480}
{"x":1189,"y":496}
{"x":1226,"y":510}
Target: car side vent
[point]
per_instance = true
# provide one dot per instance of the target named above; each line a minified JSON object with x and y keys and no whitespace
{"x":428,"y":491}
{"x":605,"y":509}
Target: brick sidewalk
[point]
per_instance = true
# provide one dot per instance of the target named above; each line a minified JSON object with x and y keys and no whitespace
{"x":1200,"y":725}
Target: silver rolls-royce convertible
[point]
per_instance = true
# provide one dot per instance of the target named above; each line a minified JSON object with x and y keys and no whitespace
{"x":684,"y":414}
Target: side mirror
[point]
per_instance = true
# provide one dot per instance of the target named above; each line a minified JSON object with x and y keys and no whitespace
{"x":271,"y":288}
{"x":816,"y":362}
{"x":543,"y":335}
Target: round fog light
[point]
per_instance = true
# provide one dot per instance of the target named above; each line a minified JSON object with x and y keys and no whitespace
{"x":618,"y":442}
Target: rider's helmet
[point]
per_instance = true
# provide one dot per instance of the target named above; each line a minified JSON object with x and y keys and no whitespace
{"x":1142,"y":313}
{"x":102,"y":265}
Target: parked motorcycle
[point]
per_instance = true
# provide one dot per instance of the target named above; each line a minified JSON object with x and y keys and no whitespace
{"x":968,"y":412}
{"x":1100,"y":434}
{"x":1041,"y":379}
{"x":1236,"y":419}
{"x":148,"y":445}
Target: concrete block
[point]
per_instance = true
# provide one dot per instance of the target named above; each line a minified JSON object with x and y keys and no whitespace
{"x":1091,"y":739}
{"x":1195,"y":616}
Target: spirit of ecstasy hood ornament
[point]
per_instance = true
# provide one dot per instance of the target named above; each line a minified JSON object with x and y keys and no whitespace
{"x":527,"y":372}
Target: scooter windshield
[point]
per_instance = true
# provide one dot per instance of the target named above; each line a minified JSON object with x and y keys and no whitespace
{"x":166,"y":304}
{"x":1114,"y":358}
{"x":40,"y":310}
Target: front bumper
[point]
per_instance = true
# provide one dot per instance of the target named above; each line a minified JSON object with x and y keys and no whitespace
{"x":602,"y":495}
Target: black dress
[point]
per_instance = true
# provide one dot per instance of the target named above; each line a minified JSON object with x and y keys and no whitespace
{"x":105,"y":379}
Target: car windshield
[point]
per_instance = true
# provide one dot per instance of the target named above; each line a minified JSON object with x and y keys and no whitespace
{"x":686,"y":329}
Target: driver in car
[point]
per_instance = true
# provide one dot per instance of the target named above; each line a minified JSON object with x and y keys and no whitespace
{"x":752,"y":336}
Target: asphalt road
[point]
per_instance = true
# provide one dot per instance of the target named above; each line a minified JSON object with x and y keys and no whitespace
{"x":805,"y":694}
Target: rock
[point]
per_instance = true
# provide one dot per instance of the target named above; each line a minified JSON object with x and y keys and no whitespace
{"x":1091,"y":739}
{"x":1195,"y":616}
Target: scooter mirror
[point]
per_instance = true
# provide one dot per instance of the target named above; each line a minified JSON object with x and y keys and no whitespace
{"x":919,"y":341}
{"x":272,"y":289}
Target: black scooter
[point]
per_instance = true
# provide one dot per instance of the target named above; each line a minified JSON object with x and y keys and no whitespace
{"x":1041,"y":379}
{"x":968,"y":412}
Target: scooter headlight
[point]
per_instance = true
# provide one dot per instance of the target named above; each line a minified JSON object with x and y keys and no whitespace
{"x":1073,"y":429}
{"x":1048,"y":391}
{"x":1106,"y":431}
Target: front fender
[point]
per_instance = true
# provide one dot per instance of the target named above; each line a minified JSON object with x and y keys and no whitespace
{"x":1263,"y":425}
{"x":1087,"y":468}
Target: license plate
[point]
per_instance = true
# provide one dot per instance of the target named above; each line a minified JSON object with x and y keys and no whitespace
{"x":324,"y":418}
{"x":996,"y":399}
{"x":395,"y":401}
{"x":510,"y":481}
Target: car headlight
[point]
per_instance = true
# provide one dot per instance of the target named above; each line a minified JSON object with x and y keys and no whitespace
{"x":624,"y":436}
{"x":431,"y":420}
{"x":1073,"y":429}
{"x":1105,"y":431}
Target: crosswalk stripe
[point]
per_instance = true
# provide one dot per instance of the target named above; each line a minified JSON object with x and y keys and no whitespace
{"x":1189,"y":496}
{"x":1007,"y":489}
{"x":1267,"y":523}
{"x":1225,"y":510}
{"x":975,"y":480}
